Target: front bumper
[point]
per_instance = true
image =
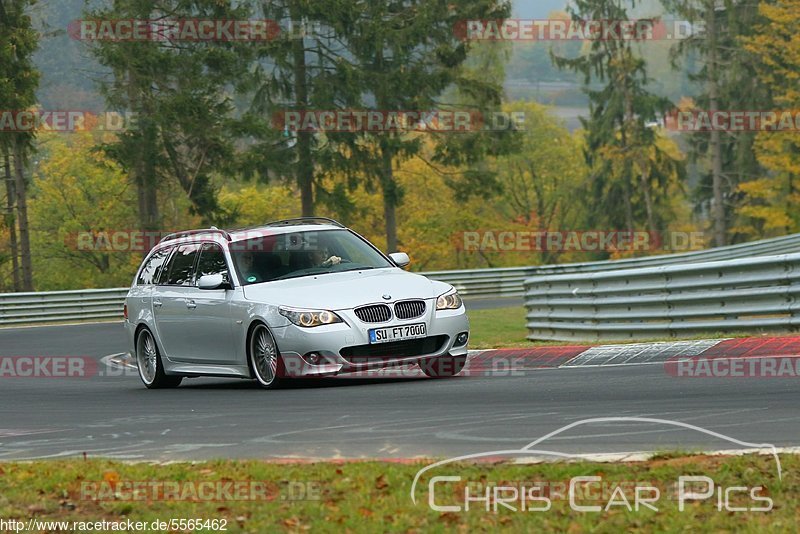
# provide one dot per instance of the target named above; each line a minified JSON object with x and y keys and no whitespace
{"x":345,"y":347}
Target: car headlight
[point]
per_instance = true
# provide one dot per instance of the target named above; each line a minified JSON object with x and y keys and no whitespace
{"x":449,"y":301}
{"x":309,"y":318}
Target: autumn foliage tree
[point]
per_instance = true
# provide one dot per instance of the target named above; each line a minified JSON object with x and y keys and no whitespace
{"x":18,"y":82}
{"x":771,"y":200}
{"x":629,"y":170}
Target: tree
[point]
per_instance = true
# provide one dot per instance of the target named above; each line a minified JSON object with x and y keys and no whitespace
{"x":403,"y":56}
{"x":543,"y":183}
{"x":177,"y":92}
{"x":726,"y":76}
{"x":293,"y":72}
{"x":622,"y":149}
{"x":82,"y":201}
{"x":10,"y":224}
{"x":769,"y":205}
{"x":18,"y":81}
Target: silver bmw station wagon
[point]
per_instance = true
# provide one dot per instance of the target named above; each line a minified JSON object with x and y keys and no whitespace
{"x":302,"y":297}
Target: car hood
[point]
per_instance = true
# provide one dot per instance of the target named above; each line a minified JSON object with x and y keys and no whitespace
{"x":339,"y":291}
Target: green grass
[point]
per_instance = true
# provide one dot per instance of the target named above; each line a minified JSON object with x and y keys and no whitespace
{"x":374,"y":496}
{"x":505,"y":328}
{"x":497,"y":328}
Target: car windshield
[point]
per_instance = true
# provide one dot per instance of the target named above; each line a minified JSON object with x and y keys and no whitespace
{"x":267,"y":258}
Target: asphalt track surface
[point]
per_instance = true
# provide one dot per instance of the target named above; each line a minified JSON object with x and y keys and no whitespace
{"x":110,"y":414}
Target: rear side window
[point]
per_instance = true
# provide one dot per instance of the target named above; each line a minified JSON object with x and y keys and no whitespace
{"x":181,"y":265}
{"x":212,"y":261}
{"x":152,"y":268}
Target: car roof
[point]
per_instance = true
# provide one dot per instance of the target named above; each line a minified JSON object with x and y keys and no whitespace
{"x":286,"y":226}
{"x":261,"y":231}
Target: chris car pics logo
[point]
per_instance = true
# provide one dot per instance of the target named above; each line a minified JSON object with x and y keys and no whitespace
{"x":449,"y":492}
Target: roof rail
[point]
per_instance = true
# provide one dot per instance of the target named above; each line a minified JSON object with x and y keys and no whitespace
{"x":306,"y":220}
{"x":187,"y":233}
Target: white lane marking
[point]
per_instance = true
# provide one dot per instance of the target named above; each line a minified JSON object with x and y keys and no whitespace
{"x":120,"y":360}
{"x":643,"y":456}
{"x":378,"y":426}
{"x":15,"y":432}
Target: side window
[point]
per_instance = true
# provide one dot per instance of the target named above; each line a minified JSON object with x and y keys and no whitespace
{"x":181,"y":265}
{"x":149,"y":273}
{"x":212,"y":261}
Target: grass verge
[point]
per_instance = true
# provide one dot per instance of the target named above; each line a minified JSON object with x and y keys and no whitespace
{"x":498,"y":328}
{"x":505,"y":328}
{"x":374,"y":496}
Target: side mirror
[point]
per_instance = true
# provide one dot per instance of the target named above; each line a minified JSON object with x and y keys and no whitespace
{"x":401,"y":259}
{"x":213,"y":281}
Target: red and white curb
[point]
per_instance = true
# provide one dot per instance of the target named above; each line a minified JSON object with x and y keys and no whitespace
{"x":670,"y":354}
{"x":698,"y":358}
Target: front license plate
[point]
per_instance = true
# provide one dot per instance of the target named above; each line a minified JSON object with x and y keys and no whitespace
{"x":397,"y":333}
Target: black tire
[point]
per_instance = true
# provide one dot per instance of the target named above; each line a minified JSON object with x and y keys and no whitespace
{"x":443,"y":366}
{"x":148,"y":361}
{"x":265,"y":359}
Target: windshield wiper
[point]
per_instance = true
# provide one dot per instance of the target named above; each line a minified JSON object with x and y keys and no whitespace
{"x":356,"y":269}
{"x":322,"y":271}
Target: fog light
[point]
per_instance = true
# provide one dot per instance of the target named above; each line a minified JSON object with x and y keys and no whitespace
{"x":313,"y":358}
{"x":461,"y":339}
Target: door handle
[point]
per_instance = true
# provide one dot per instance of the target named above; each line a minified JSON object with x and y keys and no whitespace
{"x":156,"y":303}
{"x":190,"y":304}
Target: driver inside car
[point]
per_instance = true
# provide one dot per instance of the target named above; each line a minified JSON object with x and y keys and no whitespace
{"x":321,"y":257}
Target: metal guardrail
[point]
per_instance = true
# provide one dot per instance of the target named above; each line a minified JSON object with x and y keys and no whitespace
{"x":765,"y":247}
{"x":97,"y":304}
{"x":100,"y":304}
{"x":741,"y":295}
{"x":508,"y":282}
{"x":486,"y":283}
{"x":60,"y":306}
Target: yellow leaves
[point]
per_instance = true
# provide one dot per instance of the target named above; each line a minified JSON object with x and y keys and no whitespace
{"x":111,"y":477}
{"x":762,"y":188}
{"x":769,"y":204}
{"x":258,"y":203}
{"x":76,"y":189}
{"x":777,"y":47}
{"x":766,"y":207}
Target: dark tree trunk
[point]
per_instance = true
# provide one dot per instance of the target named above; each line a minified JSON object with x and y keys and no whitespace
{"x":22,"y":218}
{"x":305,"y":165}
{"x":143,"y":173}
{"x":390,"y":199}
{"x":11,"y":220}
{"x":715,"y":145}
